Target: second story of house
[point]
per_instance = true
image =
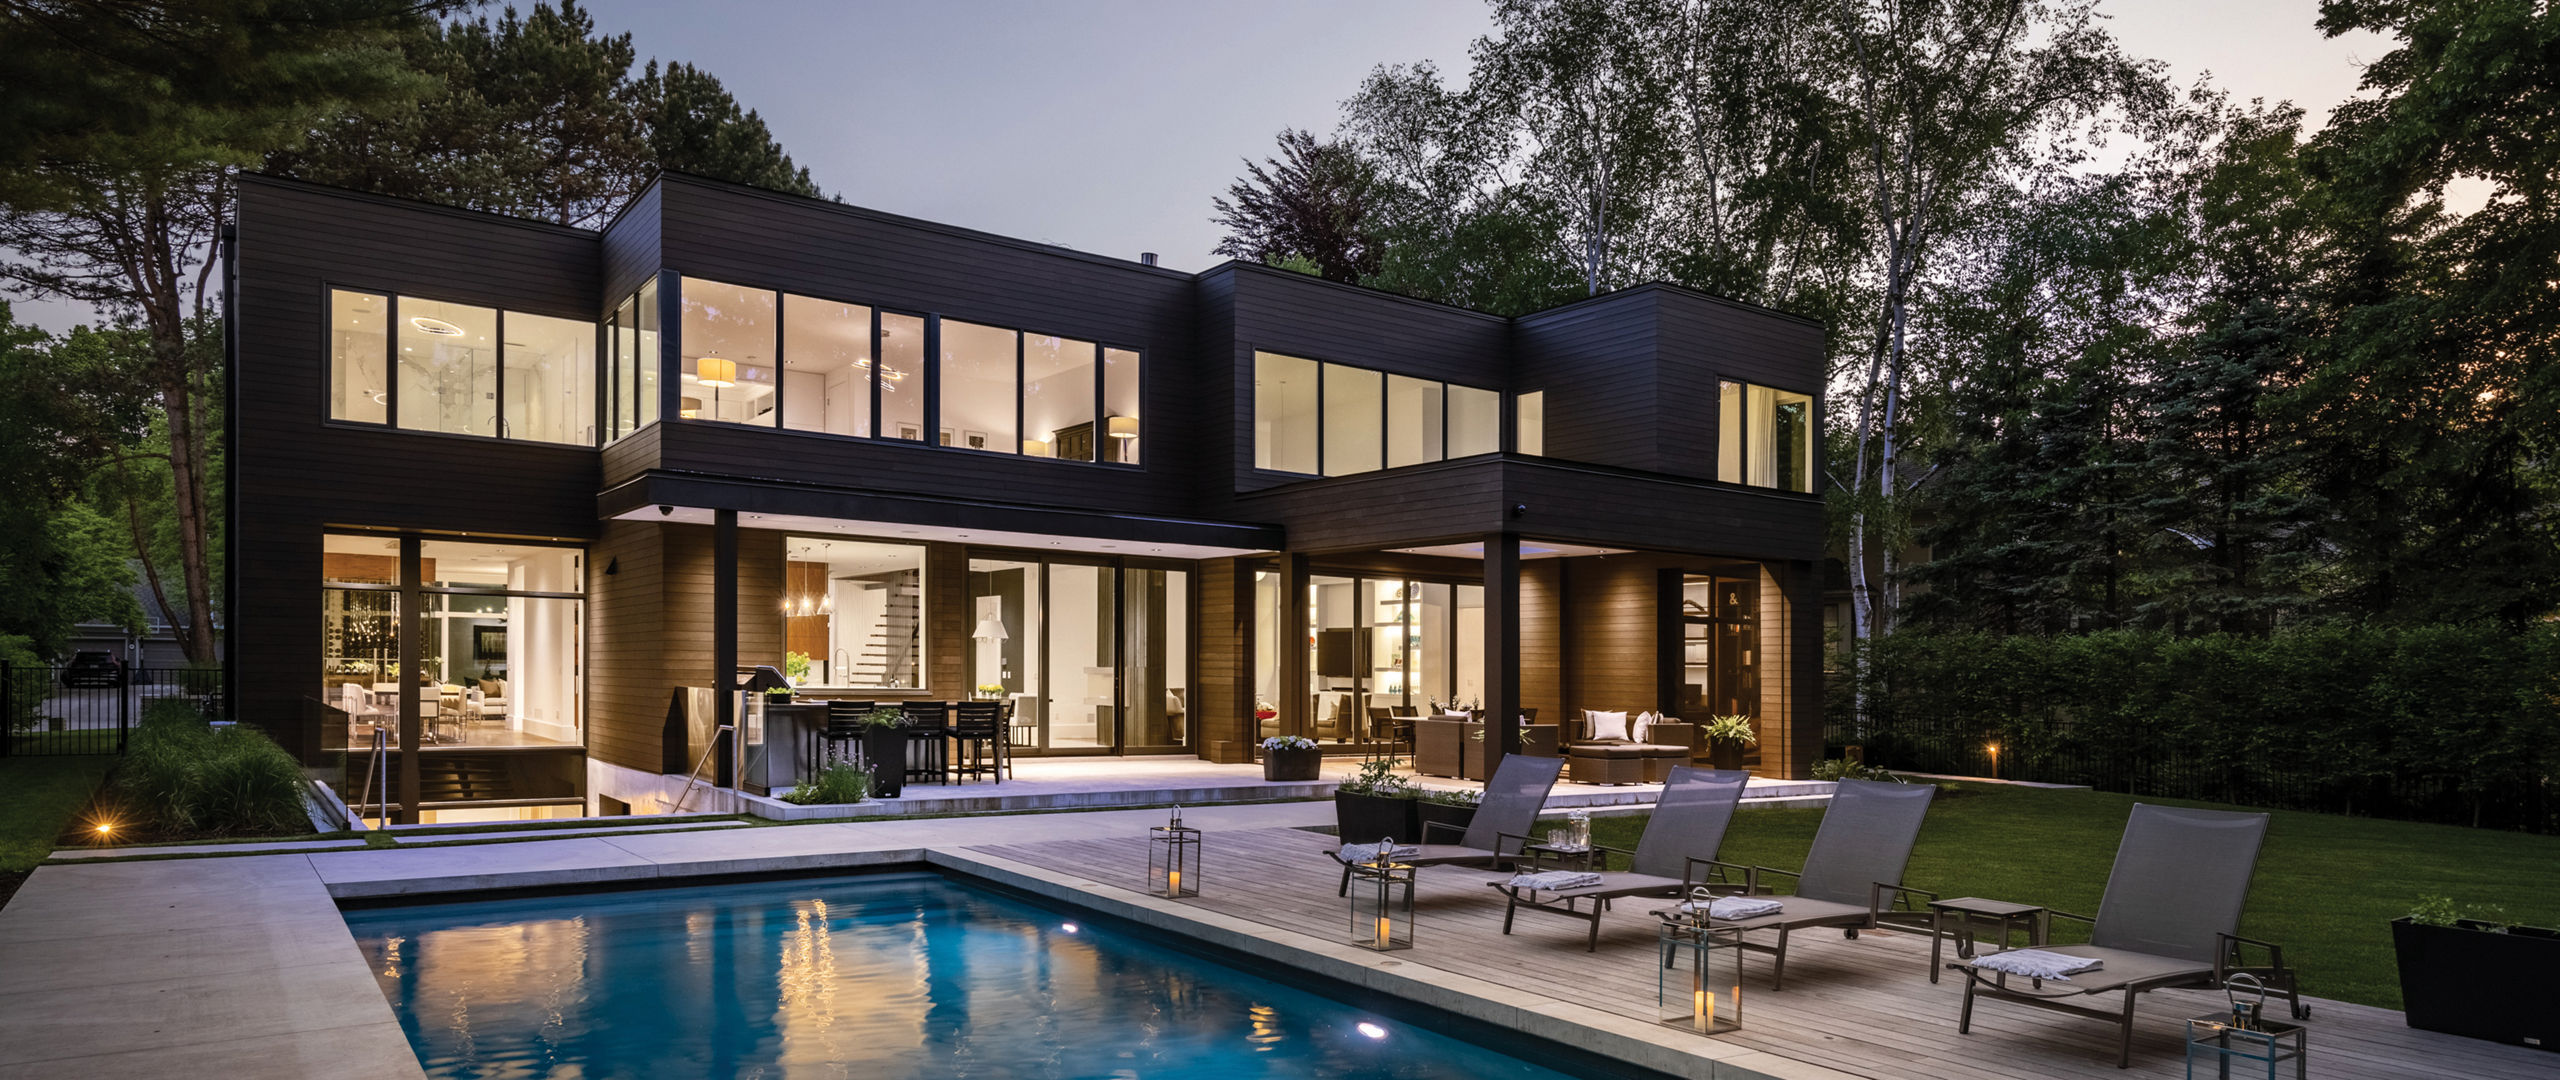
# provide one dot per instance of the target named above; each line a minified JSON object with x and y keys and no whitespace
{"x":418,"y":361}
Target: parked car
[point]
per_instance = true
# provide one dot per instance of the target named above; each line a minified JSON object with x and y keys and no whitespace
{"x":93,"y":671}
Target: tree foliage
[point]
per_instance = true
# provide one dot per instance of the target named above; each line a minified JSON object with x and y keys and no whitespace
{"x":1310,"y":203}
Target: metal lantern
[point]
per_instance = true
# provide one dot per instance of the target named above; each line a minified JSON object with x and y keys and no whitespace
{"x":1382,"y":903}
{"x":1703,"y":995}
{"x":1173,"y":859}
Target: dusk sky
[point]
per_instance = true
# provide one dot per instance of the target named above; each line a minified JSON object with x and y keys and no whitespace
{"x":1108,"y":126}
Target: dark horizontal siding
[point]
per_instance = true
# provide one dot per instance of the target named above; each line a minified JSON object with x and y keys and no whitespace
{"x":631,"y":246}
{"x":1595,"y":362}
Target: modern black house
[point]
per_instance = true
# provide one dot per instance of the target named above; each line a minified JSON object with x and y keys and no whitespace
{"x":535,"y":480}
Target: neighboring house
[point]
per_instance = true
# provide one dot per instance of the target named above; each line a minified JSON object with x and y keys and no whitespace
{"x":549,"y":477}
{"x":156,"y":647}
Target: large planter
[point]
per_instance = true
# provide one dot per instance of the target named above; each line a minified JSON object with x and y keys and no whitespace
{"x":1287,"y":764}
{"x":1367,"y":819}
{"x":886,"y":749}
{"x":2467,"y":980}
{"x":1724,"y":754}
{"x":1457,"y":818}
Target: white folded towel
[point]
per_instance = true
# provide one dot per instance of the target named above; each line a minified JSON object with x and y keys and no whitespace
{"x":1352,"y":853}
{"x":2036,"y":964}
{"x":1556,"y":880}
{"x":1736,"y":908}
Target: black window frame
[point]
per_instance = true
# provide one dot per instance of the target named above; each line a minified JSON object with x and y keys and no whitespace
{"x":602,"y":357}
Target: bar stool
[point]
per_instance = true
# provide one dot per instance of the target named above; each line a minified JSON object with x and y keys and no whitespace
{"x":842,"y":739}
{"x":978,"y":726}
{"x":928,"y":741}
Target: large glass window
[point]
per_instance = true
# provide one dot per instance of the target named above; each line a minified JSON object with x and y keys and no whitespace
{"x":1475,"y":421}
{"x":550,"y":380}
{"x":1285,"y":413}
{"x":646,"y":311}
{"x":1719,"y":646}
{"x":729,"y":352}
{"x":826,"y":366}
{"x":1083,"y":676}
{"x":868,"y":598}
{"x":1353,"y":441}
{"x":1156,"y":653}
{"x":1270,"y":639}
{"x":1057,"y":398}
{"x":448,"y":367}
{"x":1121,"y":391}
{"x":902,"y":377}
{"x":1004,"y":636}
{"x":357,"y":349}
{"x":1532,"y":436}
{"x":1415,"y":432}
{"x":1336,"y":420}
{"x":622,"y":393}
{"x":978,"y":390}
{"x":500,"y":645}
{"x":1765,"y":437}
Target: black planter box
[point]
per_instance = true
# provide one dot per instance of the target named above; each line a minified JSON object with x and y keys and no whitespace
{"x":1367,"y":819}
{"x":1284,"y":764}
{"x":1455,"y":818}
{"x":2466,"y":980}
{"x":885,"y":748}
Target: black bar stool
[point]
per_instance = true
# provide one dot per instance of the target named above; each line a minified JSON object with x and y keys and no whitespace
{"x":978,"y":726}
{"x":928,"y":741}
{"x":842,"y":739}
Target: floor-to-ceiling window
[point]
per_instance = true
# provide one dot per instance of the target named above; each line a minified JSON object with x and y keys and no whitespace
{"x":1270,"y":641}
{"x":1089,"y":656}
{"x":1084,"y":690}
{"x":498,"y":659}
{"x":1155,"y":655}
{"x":860,"y":603}
{"x":1404,"y":645}
{"x":1719,"y":646}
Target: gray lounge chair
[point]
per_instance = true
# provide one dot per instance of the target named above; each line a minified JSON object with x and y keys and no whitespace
{"x":2170,"y":918}
{"x":1511,"y":803}
{"x":1852,"y":875}
{"x":1676,"y":854}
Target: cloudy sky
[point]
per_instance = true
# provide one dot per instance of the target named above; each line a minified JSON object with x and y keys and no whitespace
{"x":1108,"y":125}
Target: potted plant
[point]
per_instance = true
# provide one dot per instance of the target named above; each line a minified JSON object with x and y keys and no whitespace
{"x":1726,"y":736}
{"x":990,"y":691}
{"x":795,"y":666}
{"x":884,"y":745}
{"x":1290,"y":757}
{"x":2473,"y":973}
{"x":1375,"y":805}
{"x":1453,"y":809}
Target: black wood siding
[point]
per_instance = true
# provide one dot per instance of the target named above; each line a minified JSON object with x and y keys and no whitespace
{"x":292,"y":475}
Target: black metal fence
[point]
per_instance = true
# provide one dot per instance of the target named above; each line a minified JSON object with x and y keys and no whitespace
{"x":2137,"y":760}
{"x":61,"y":709}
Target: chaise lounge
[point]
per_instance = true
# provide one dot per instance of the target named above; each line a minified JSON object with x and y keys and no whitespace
{"x":1852,"y":875}
{"x":1676,"y":854}
{"x":1511,"y":803}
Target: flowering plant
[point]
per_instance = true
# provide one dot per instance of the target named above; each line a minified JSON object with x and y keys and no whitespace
{"x":1288,"y":742}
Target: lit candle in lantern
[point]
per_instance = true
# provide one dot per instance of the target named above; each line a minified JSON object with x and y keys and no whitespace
{"x":1382,"y":931}
{"x":1173,"y":883}
{"x":1702,"y":1009}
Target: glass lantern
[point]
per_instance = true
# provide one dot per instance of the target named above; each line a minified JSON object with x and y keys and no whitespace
{"x":1382,"y":905}
{"x":1698,"y":977}
{"x":1173,"y":859}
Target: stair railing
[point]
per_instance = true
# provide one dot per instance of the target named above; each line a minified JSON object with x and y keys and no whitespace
{"x":695,"y":777}
{"x":377,"y":763}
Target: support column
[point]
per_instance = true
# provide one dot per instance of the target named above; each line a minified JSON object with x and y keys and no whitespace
{"x":412,"y":692}
{"x":1296,"y":717}
{"x":724,"y":638}
{"x":1501,"y":646}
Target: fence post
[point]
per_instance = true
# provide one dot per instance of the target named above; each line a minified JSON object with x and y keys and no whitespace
{"x":124,"y":706}
{"x":8,"y":709}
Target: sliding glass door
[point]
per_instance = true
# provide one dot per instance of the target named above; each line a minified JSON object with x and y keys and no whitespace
{"x":1389,"y":643}
{"x":1093,"y":657}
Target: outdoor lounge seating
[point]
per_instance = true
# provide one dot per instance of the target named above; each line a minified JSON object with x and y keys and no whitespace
{"x":1511,"y":803}
{"x":1616,"y":759}
{"x":1676,"y":854}
{"x":2170,"y":918}
{"x":1852,"y":875}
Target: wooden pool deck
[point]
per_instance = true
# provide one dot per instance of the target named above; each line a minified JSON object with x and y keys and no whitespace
{"x":1861,"y":1008}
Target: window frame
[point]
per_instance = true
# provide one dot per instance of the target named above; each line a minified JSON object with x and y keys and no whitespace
{"x":1814,"y":473}
{"x":602,"y":358}
{"x":1385,"y":414}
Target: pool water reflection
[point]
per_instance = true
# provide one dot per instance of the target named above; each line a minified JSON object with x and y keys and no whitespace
{"x":894,"y":975}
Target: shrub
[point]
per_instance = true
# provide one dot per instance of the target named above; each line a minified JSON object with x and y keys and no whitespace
{"x":186,"y":775}
{"x":839,"y":783}
{"x":1845,"y":769}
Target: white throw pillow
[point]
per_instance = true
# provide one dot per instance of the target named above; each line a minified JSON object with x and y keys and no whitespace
{"x":1606,"y":725}
{"x":1643,"y":729}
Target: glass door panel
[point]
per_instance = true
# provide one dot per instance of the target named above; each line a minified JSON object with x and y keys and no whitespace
{"x":1719,"y":646}
{"x":1156,"y":648}
{"x":1082,"y":694}
{"x":1335,"y":658}
{"x":1004,"y":636}
{"x":1392,"y":637}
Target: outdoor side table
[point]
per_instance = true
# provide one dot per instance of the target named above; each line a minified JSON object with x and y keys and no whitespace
{"x":2213,"y":1039}
{"x":1966,"y":912}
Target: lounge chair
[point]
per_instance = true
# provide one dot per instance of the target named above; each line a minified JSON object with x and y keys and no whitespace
{"x":1852,"y":876}
{"x":1676,"y":854}
{"x":2170,"y":918}
{"x":1511,"y":803}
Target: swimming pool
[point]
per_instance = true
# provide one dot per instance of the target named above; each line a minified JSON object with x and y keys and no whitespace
{"x":883,"y":975}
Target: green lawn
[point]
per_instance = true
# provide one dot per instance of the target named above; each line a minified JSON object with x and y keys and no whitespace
{"x":2327,"y":887}
{"x":38,"y":795}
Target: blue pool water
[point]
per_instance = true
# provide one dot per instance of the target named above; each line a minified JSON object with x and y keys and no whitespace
{"x":880,"y":976}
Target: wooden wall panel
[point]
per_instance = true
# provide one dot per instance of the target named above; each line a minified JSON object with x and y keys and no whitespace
{"x":1614,"y":644}
{"x":1542,"y":633}
{"x":1222,"y":705}
{"x":627,"y":685}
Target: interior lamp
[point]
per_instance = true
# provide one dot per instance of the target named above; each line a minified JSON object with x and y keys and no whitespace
{"x":690,"y":408}
{"x":1124,"y":427}
{"x":989,"y":629}
{"x":716,"y":372}
{"x":1035,"y":448}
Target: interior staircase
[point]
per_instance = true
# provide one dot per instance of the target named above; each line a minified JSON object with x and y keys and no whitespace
{"x":888,"y":657}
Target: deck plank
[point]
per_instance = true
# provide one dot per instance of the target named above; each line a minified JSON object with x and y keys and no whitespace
{"x":1864,"y":1007}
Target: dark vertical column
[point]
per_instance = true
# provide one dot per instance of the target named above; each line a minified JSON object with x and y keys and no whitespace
{"x":1668,"y":631}
{"x":669,"y":359}
{"x":1296,"y":717}
{"x":1502,"y":645}
{"x":1802,"y":581}
{"x":411,"y":690}
{"x":724,"y":633}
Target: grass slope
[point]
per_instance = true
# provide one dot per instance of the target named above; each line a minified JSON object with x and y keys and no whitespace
{"x":2327,"y":887}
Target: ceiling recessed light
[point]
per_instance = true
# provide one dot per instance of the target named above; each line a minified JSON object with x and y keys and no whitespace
{"x":438,"y":327}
